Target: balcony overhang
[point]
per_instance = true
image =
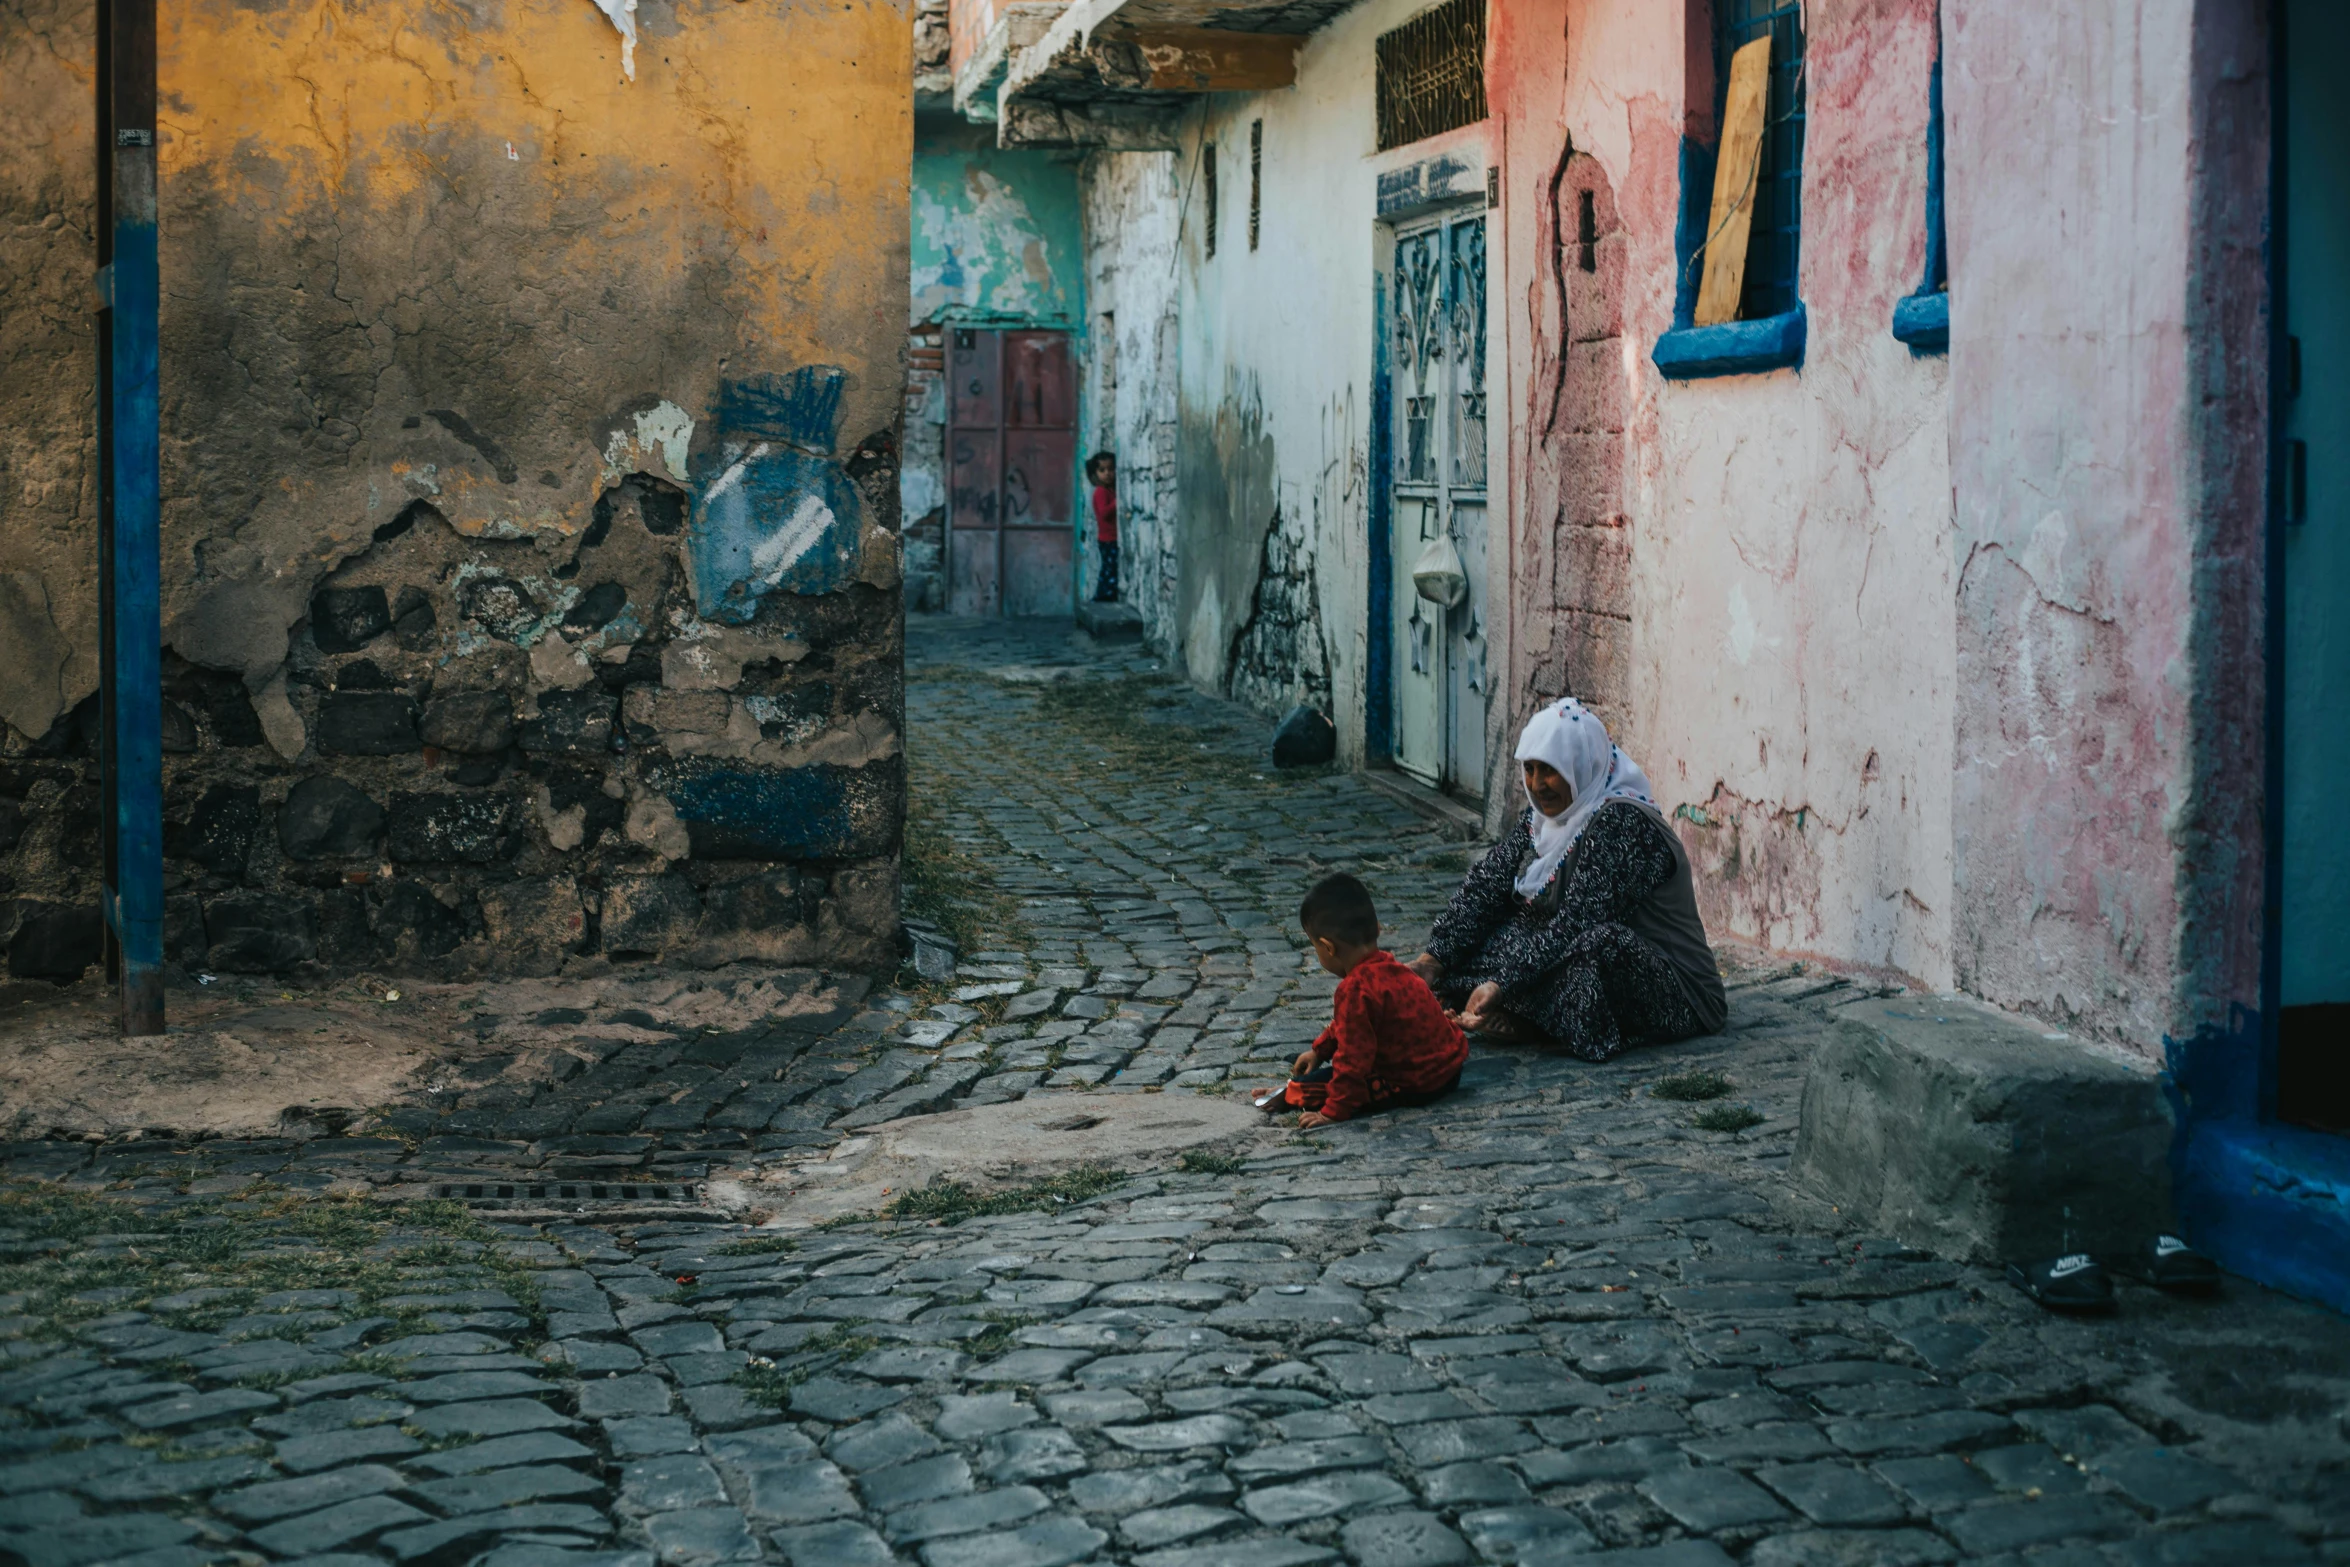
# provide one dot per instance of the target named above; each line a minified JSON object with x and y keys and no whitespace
{"x":1016,"y":27}
{"x":1119,"y":73}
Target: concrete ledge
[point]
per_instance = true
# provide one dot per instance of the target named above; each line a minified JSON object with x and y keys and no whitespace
{"x":1110,"y":622}
{"x":1948,"y":1126}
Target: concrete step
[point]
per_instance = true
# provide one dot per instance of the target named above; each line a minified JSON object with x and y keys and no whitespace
{"x":1956,"y":1128}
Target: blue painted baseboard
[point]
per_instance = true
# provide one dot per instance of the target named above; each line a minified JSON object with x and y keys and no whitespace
{"x":2271,"y":1203}
{"x":1732,"y":348}
{"x":1923,"y":322}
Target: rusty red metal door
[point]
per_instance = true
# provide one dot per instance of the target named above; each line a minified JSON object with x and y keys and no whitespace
{"x":1012,"y":472}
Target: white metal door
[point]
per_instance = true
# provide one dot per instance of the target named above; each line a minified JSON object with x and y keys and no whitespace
{"x":1438,"y":486}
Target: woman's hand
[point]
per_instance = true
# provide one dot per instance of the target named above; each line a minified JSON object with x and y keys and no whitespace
{"x":1427,"y":968}
{"x":1482,"y":1003}
{"x":1312,"y":1119}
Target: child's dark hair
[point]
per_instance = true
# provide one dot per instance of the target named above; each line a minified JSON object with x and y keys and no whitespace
{"x":1340,"y":908}
{"x":1102,"y":459}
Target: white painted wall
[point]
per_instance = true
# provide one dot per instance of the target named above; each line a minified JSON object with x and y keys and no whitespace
{"x":1276,"y":367}
{"x":1131,"y":205}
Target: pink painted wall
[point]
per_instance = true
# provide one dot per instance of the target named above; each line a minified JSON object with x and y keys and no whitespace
{"x":1751,"y":575}
{"x":2106,"y":186}
{"x":1950,"y":667}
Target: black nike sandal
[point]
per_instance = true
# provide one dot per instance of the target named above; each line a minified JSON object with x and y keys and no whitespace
{"x":2168,"y":1263}
{"x":2074,"y":1282}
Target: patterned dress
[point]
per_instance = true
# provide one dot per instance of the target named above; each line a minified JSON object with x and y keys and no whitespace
{"x":1608,"y":954}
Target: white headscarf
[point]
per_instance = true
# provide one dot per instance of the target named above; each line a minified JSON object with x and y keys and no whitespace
{"x":1570,"y":737}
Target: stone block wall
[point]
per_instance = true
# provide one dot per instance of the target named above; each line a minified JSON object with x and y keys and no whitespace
{"x":502,"y":756}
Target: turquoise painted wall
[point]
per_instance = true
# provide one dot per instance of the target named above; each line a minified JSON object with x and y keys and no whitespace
{"x":997,"y":237}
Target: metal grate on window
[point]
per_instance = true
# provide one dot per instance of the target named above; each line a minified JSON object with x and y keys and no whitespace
{"x":1256,"y":172}
{"x":1773,"y":244}
{"x":1207,"y":176}
{"x":1431,"y":73}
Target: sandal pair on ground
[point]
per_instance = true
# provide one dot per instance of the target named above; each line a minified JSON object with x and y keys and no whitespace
{"x":2079,"y":1282}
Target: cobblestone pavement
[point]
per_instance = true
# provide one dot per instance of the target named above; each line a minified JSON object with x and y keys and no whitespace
{"x":1551,"y":1317}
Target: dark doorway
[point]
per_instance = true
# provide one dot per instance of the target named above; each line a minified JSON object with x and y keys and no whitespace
{"x":2313,"y":1039}
{"x":1011,"y":472}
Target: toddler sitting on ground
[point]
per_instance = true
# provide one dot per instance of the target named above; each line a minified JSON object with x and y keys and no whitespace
{"x":1389,"y":1041}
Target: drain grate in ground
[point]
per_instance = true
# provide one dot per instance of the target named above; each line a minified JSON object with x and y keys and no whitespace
{"x":491,"y":1194}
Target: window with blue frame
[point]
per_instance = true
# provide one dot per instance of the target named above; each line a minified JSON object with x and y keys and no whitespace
{"x":1774,"y":240}
{"x":1769,"y":331}
{"x":1922,"y":319}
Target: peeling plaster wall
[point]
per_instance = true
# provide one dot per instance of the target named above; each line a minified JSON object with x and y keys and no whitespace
{"x":998,"y":235}
{"x":529,"y":463}
{"x":2109,"y":418}
{"x":1276,"y":363}
{"x":1752,"y":575}
{"x":1132,"y":204}
{"x":998,"y":240}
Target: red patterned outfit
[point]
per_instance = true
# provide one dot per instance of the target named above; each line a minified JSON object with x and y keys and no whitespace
{"x":1388,"y":1043}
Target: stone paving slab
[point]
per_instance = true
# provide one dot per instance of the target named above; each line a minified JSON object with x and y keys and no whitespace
{"x":1548,"y":1318}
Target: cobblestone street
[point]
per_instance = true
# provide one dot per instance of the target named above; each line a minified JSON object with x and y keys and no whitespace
{"x":1572,"y":1311}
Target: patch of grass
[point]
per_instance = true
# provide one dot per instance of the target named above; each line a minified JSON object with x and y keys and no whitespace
{"x":769,"y":1383}
{"x":1111,"y":715}
{"x":1690,"y":1086}
{"x":1003,"y":1327}
{"x":759,"y":1246}
{"x":951,"y":1202}
{"x":947,"y":883}
{"x":1726,"y":1118}
{"x":250,"y":1245}
{"x":768,"y":1386}
{"x":1200,"y":1162}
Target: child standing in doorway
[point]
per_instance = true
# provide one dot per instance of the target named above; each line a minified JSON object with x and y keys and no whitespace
{"x":1102,"y":469}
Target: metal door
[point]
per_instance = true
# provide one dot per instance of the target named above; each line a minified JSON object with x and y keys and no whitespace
{"x":1012,"y":465}
{"x":1439,"y":495}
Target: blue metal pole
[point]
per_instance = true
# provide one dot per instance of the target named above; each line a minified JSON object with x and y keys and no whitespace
{"x":131,"y":510}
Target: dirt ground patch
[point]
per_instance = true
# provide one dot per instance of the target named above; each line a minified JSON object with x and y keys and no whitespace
{"x":252,"y":1059}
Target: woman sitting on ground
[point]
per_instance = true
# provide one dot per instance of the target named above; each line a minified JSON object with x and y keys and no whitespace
{"x":1580,"y":927}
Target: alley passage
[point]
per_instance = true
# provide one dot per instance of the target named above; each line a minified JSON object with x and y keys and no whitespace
{"x":1570,"y":1310}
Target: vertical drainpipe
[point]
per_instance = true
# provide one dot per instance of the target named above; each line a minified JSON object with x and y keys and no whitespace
{"x":130,"y":513}
{"x":1379,"y":657}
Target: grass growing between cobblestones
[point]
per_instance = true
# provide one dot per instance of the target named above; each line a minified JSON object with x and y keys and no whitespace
{"x":195,"y":1264}
{"x":1692,"y":1086}
{"x":1113,"y":716}
{"x":944,"y":881}
{"x":951,"y":1202}
{"x":1726,"y":1118}
{"x":769,"y":1382}
{"x":1199,"y":1161}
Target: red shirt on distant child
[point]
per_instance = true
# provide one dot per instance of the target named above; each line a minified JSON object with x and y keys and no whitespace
{"x":1388,"y":1035}
{"x":1105,"y":513}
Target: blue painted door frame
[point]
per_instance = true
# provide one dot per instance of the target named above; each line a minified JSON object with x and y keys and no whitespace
{"x":2268,"y":1199}
{"x":130,"y":653}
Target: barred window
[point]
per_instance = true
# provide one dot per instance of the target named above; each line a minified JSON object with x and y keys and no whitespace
{"x":1256,"y":171}
{"x":1207,"y":178}
{"x":1431,"y":73}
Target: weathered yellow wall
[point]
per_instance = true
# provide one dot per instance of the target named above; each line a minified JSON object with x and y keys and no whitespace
{"x":371,"y":211}
{"x":635,"y":347}
{"x":374,"y":210}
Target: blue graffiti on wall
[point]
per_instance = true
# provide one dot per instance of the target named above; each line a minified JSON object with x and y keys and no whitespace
{"x":773,"y":511}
